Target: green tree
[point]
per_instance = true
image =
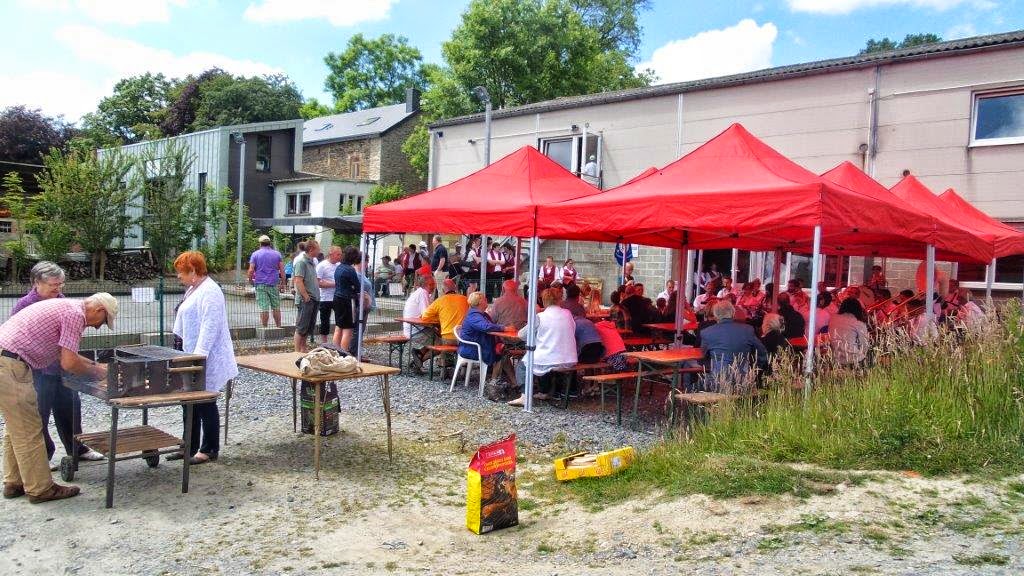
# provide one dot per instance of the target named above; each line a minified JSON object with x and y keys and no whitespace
{"x":132,"y":113}
{"x":84,"y":199}
{"x":16,"y":202}
{"x":312,"y":108}
{"x":216,"y":98}
{"x":909,"y":41}
{"x":168,"y":206}
{"x":25,"y":134}
{"x":382,"y":193}
{"x":526,"y":51}
{"x":373,"y":72}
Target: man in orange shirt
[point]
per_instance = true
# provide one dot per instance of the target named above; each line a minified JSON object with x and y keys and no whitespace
{"x":449,"y":311}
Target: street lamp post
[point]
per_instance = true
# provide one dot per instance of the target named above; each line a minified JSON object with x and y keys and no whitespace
{"x":239,"y":139}
{"x":485,"y":97}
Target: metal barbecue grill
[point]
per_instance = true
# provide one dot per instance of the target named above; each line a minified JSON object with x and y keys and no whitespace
{"x":142,"y":371}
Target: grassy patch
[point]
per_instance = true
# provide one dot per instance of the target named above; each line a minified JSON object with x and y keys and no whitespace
{"x":945,"y":408}
{"x":545,"y":548}
{"x":981,"y":559}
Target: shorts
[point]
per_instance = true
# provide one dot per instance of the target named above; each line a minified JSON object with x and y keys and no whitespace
{"x":267,"y":297}
{"x":305,"y":320}
{"x":344,"y":313}
{"x":326,"y":308}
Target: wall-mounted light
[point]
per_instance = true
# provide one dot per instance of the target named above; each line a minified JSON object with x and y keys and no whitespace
{"x":574,"y":128}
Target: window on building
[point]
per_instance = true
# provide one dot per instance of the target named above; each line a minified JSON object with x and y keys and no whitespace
{"x":263,"y":153}
{"x":202,"y":192}
{"x":369,"y":121}
{"x":355,"y":166}
{"x":998,"y":118}
{"x":359,"y":204}
{"x":572,"y":153}
{"x":297,"y":204}
{"x":342,"y":203}
{"x":6,"y":226}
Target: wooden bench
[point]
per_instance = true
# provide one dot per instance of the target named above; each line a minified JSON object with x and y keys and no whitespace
{"x":440,"y":350}
{"x":395,"y":343}
{"x":617,"y":378}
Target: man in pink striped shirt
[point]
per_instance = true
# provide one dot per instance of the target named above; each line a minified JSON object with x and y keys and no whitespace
{"x":40,"y":335}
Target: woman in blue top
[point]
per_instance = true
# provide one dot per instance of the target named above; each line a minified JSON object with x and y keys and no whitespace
{"x":476,"y":327}
{"x":346,"y":291}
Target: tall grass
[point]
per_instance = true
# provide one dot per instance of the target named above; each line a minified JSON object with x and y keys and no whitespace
{"x":951,"y":405}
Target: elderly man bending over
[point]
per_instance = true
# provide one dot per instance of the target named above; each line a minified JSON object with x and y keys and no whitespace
{"x":510,"y":307}
{"x":730,"y":348}
{"x":38,"y":336}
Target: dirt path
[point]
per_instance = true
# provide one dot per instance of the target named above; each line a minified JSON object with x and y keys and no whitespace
{"x":258,"y":510}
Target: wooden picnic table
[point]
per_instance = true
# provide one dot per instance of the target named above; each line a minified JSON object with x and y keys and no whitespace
{"x":283,"y":364}
{"x":671,"y":326}
{"x":800,"y":342}
{"x":656,"y":360}
{"x":507,"y":334}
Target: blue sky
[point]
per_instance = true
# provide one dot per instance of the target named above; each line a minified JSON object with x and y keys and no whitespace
{"x":64,"y":55}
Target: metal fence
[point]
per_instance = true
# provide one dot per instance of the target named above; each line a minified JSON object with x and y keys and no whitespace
{"x":148,"y":310}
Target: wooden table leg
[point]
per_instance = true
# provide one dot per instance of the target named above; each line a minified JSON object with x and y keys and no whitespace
{"x":112,"y":456}
{"x":295,"y":422}
{"x":386,"y":393}
{"x":317,"y":407}
{"x":227,"y":411}
{"x":186,"y":448}
{"x":636,"y":395}
{"x":672,"y":398}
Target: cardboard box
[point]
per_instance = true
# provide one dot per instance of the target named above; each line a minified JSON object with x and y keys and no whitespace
{"x":491,"y":500}
{"x":586,"y":465}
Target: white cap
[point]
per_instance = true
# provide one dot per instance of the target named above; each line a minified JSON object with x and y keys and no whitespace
{"x":109,"y":304}
{"x":264,"y":239}
{"x":423,"y":244}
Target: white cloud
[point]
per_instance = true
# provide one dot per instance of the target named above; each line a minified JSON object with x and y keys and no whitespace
{"x":123,"y":57}
{"x":795,"y":38}
{"x":97,"y":61}
{"x":127,"y":12}
{"x":965,"y":30}
{"x":338,"y":13}
{"x":52,"y":92}
{"x":847,"y":6}
{"x":740,"y":48}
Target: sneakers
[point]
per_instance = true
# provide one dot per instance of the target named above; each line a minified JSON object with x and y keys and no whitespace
{"x":91,"y":455}
{"x":521,"y":401}
{"x":56,"y":492}
{"x":12,"y":490}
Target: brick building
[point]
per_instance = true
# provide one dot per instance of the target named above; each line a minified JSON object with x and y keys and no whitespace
{"x":364,"y":146}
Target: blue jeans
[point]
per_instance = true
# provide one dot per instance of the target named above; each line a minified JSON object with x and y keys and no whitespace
{"x":65,"y":405}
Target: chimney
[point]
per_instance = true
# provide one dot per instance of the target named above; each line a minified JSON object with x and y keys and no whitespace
{"x":412,"y":100}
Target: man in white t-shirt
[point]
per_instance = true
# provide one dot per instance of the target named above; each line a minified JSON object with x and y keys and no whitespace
{"x":670,"y":288}
{"x":325,"y":279}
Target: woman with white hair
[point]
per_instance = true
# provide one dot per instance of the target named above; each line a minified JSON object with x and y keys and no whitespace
{"x":773,"y":337}
{"x":51,"y":394}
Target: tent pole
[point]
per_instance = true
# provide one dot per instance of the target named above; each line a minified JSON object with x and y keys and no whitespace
{"x":519,"y":252}
{"x":684,"y":256}
{"x":700,"y":270}
{"x":929,"y":286}
{"x":954,"y":271}
{"x":812,"y":328}
{"x":776,"y":275}
{"x":990,"y":274}
{"x":531,"y":323}
{"x":735,"y":260}
{"x":789,"y":268}
{"x":359,"y":319}
{"x":687,"y":289}
{"x":622,"y":247}
{"x":485,"y":251}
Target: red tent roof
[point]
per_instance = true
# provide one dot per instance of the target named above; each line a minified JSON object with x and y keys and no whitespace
{"x":1009,"y":240}
{"x":952,"y":244}
{"x":916,"y":194}
{"x":499,"y":199}
{"x":733,"y":192}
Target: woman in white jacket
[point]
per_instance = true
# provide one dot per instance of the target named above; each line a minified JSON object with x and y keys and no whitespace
{"x":202,"y":324}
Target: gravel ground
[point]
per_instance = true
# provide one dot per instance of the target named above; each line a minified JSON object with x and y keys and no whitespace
{"x":258,"y":510}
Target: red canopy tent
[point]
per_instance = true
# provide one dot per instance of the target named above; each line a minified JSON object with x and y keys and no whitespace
{"x":500,"y":199}
{"x":916,"y":194}
{"x":1008,"y":240}
{"x":952,"y":244}
{"x":735,"y":191}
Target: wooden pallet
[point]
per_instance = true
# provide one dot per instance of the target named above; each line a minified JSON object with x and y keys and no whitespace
{"x":136,"y":439}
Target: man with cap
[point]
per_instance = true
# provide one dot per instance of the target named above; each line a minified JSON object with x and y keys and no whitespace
{"x":266,"y":272}
{"x":38,"y":336}
{"x":448,"y":311}
{"x":424,"y":255}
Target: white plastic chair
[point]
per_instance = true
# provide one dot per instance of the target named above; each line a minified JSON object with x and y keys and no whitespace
{"x":468,"y":363}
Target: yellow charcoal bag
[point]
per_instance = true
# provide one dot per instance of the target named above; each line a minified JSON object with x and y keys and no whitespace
{"x":586,"y":465}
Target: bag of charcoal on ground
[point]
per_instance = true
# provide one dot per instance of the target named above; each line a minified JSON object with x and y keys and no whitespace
{"x":491,"y":502}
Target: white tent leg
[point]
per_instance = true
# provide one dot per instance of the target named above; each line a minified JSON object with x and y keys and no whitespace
{"x":990,"y":276}
{"x":812,"y":328}
{"x":789,"y":268}
{"x":531,"y":323}
{"x":929,"y":286}
{"x":733,"y":272}
{"x":359,"y":319}
{"x":684,"y":258}
{"x":700,"y":270}
{"x":687,"y":290}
